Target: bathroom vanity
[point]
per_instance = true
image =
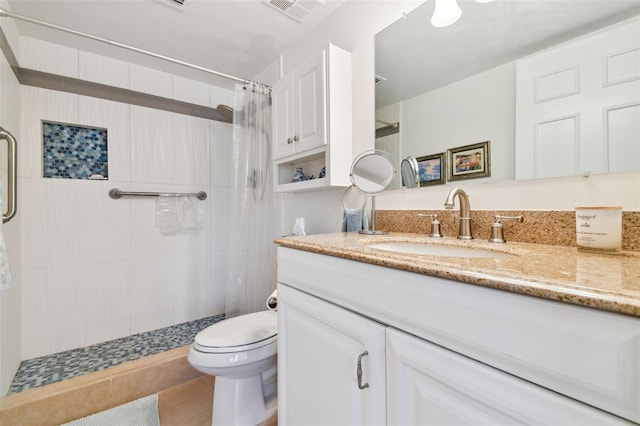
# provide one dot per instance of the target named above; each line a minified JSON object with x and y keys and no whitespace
{"x":537,"y":334}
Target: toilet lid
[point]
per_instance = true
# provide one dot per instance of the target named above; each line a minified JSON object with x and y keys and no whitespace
{"x":239,"y":333}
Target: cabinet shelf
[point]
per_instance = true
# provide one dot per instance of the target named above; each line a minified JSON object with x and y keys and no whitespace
{"x":307,"y":185}
{"x":311,"y":162}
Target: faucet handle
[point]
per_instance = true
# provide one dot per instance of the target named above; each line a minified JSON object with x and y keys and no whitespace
{"x":497,"y":235}
{"x":435,"y":225}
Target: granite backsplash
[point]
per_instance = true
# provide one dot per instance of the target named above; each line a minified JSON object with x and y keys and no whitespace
{"x":539,"y":227}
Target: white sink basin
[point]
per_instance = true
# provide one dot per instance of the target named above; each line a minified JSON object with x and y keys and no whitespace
{"x":437,"y":249}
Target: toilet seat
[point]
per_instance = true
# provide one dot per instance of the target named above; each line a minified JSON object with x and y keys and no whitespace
{"x":242,"y":333}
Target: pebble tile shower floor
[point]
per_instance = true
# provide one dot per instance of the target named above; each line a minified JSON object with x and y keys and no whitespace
{"x":54,"y":368}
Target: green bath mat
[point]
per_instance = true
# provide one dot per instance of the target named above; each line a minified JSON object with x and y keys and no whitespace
{"x":141,"y":412}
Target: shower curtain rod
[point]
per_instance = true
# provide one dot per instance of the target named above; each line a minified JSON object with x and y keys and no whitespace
{"x":6,"y":14}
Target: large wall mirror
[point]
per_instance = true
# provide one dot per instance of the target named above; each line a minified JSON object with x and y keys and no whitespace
{"x":443,"y":88}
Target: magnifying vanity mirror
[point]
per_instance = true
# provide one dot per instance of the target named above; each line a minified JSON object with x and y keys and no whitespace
{"x":410,"y":172}
{"x":504,"y":73}
{"x":371,"y":173}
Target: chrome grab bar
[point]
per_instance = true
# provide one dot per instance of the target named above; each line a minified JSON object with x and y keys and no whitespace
{"x":115,"y":193}
{"x":12,"y":175}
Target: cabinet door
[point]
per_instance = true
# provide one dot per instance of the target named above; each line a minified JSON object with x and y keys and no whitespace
{"x":319,"y":347}
{"x":430,"y":385}
{"x":283,"y":117}
{"x":309,"y":80}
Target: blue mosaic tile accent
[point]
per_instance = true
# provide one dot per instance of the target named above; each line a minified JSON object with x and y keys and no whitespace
{"x":54,"y":368}
{"x":73,"y":152}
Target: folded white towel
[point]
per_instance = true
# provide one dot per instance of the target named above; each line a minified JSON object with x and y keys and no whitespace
{"x":174,"y":213}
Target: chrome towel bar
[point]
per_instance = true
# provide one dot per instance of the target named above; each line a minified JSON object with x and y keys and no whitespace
{"x":115,"y":193}
{"x":12,"y":175}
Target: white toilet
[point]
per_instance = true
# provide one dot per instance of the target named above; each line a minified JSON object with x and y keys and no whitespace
{"x":241,"y":353}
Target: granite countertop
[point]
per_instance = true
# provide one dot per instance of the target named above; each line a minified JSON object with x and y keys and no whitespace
{"x":561,"y":273}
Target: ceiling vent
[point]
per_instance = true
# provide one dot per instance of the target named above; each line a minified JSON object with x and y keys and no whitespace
{"x":294,"y":9}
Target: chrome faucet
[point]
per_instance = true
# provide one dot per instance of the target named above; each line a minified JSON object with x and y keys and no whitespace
{"x":464,"y":232}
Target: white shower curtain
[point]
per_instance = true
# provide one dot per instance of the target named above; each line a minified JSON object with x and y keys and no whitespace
{"x":252,"y":253}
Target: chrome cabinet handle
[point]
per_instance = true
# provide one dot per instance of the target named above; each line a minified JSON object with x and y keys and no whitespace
{"x":289,"y":140}
{"x":296,"y":138}
{"x":12,"y":175}
{"x":359,"y":371}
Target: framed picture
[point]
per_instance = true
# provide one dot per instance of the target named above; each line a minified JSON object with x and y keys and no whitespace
{"x":431,"y":169}
{"x":469,"y":161}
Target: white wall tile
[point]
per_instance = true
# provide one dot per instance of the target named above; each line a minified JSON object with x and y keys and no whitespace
{"x":219,"y":271}
{"x":48,"y":57}
{"x":38,"y":105}
{"x":50,"y":210}
{"x":220,"y":96}
{"x":105,"y":292}
{"x":96,"y":268}
{"x":221,"y":149}
{"x":10,"y":330}
{"x":113,"y":116}
{"x":192,"y":295}
{"x":10,"y":101}
{"x":151,"y":294}
{"x":191,"y":150}
{"x":151,"y":81}
{"x":10,"y":308}
{"x":191,"y":91}
{"x":152,"y":146}
{"x":52,"y":319}
{"x":104,"y":223}
{"x":146,"y":240}
{"x":103,"y":70}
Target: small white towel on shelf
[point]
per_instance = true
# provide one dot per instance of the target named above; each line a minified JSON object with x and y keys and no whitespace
{"x":174,"y":213}
{"x":354,"y":220}
{"x":5,"y":274}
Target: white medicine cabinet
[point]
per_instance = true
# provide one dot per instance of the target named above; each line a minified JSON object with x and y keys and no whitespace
{"x":312,"y":122}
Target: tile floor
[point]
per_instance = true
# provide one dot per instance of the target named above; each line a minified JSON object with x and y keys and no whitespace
{"x":54,"y":368}
{"x":191,"y":404}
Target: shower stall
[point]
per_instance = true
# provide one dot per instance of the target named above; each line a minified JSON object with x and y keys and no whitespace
{"x":87,"y":268}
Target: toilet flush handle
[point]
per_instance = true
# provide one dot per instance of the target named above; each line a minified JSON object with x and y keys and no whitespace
{"x":359,"y":371}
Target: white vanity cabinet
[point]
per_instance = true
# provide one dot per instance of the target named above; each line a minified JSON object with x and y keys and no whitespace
{"x":311,"y":121}
{"x":322,"y":348}
{"x":430,"y":385}
{"x":455,"y":353}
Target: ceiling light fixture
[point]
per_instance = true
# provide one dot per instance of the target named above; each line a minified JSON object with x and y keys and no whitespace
{"x":447,"y":12}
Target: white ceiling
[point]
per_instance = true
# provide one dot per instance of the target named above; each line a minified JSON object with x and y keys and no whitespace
{"x":416,"y":57}
{"x":243,"y":37}
{"x":236,"y":37}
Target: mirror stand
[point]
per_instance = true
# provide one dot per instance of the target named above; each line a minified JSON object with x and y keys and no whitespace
{"x":371,"y":173}
{"x":373,"y":231}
